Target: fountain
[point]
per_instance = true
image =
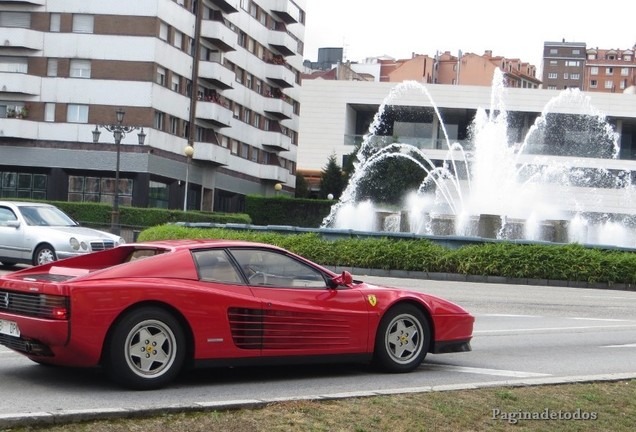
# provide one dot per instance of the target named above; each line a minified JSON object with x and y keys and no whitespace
{"x":548,"y":187}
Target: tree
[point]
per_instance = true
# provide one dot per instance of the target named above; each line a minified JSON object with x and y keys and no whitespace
{"x":302,"y":186}
{"x":331,"y":179}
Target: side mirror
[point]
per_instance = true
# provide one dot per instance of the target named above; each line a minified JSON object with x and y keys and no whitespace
{"x":344,"y":279}
{"x":13,"y":224}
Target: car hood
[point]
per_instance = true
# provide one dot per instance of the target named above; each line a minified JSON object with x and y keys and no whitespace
{"x":77,"y":231}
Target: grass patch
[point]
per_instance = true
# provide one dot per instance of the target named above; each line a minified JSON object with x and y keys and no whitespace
{"x":602,"y":406}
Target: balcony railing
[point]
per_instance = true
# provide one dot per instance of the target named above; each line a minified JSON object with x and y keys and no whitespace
{"x":215,"y":113}
{"x":278,"y":108}
{"x":282,"y":42}
{"x":273,"y":173}
{"x":284,"y":9}
{"x":23,"y":38}
{"x":227,"y":6}
{"x":19,"y":83}
{"x":219,"y":35}
{"x":211,"y":153}
{"x":280,"y":75}
{"x":275,"y":141}
{"x":217,"y":74}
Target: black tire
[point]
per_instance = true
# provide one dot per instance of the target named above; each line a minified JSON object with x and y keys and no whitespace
{"x":402,"y":340}
{"x":44,"y":254}
{"x":8,"y":264}
{"x":146,"y":350}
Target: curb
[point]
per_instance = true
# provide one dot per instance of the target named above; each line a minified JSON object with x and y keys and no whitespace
{"x":13,"y":420}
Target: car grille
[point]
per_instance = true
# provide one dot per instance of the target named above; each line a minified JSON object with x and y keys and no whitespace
{"x":35,"y":305}
{"x":102,"y":245}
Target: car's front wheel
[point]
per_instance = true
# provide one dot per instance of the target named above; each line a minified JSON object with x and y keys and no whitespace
{"x":402,"y":339}
{"x":146,"y":349}
{"x":44,"y":254}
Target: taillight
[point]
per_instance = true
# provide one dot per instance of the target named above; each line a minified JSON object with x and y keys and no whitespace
{"x":54,"y":307}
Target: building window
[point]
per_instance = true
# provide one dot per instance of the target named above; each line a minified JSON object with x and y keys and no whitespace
{"x":245,"y":150}
{"x":623,"y":84}
{"x":82,"y":23}
{"x":566,"y":76}
{"x":163,"y":32}
{"x":54,"y":25}
{"x":627,"y":57}
{"x":554,"y":62}
{"x":572,"y":63}
{"x":554,"y":51}
{"x":159,"y":119}
{"x":175,"y":83}
{"x":254,"y":156}
{"x":14,"y":64}
{"x":575,"y":76}
{"x":246,"y":115}
{"x":161,"y":76}
{"x":157,"y":195}
{"x":77,"y":113}
{"x":51,"y":67}
{"x":591,"y":56}
{"x":256,"y":120}
{"x":174,"y":125}
{"x":594,"y":70}
{"x":178,"y":39}
{"x":80,"y":69}
{"x":552,"y":75}
{"x":551,"y":87}
{"x":624,"y":71}
{"x":576,"y":51}
{"x":49,"y":112}
{"x":593,"y":83}
{"x":609,"y":71}
{"x":15,"y":19}
{"x":234,"y":147}
{"x":609,"y":84}
{"x":22,"y":185}
{"x":99,"y":189}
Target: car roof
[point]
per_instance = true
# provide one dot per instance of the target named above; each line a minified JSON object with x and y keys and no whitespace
{"x":25,"y":203}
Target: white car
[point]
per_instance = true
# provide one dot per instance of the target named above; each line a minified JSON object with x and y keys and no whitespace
{"x":38,"y":233}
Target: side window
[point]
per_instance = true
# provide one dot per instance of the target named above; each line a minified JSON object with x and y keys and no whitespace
{"x":267,"y":268}
{"x":6,"y":215}
{"x":214,"y":265}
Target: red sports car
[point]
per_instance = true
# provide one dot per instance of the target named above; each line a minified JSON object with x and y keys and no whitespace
{"x":144,"y":311}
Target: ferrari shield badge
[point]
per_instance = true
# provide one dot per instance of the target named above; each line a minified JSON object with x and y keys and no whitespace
{"x":372,"y":300}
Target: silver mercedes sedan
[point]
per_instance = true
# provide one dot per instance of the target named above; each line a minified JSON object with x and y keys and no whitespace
{"x":37,"y":233}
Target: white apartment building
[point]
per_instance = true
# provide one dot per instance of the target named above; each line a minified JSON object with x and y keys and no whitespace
{"x":221,"y":76}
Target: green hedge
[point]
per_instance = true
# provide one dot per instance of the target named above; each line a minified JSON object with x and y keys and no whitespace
{"x":553,"y":262}
{"x":100,"y":214}
{"x":284,"y":210}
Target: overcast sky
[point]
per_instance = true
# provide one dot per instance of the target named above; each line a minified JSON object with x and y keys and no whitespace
{"x":371,"y":28}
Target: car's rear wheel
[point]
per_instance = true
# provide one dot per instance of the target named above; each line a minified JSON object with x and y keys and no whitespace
{"x":146,"y":349}
{"x":44,"y":254}
{"x":402,"y":339}
{"x":8,"y":264}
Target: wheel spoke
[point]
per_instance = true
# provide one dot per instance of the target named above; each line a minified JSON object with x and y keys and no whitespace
{"x":403,"y":339}
{"x":148,"y":351}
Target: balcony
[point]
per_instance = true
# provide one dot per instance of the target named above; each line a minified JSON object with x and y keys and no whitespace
{"x":217,"y":74}
{"x":280,"y":75}
{"x":282,"y":42}
{"x":209,"y":152}
{"x":273,"y":173}
{"x":275,"y":141}
{"x":278,"y":108}
{"x":217,"y":115}
{"x":19,"y":128}
{"x":19,"y":83}
{"x":283,"y":9}
{"x":227,"y":6}
{"x":218,"y":34}
{"x":22,"y":38}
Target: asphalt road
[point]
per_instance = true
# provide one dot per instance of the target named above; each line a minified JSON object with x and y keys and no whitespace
{"x":523,"y":335}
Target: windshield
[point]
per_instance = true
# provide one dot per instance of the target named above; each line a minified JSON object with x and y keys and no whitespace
{"x":46,"y":216}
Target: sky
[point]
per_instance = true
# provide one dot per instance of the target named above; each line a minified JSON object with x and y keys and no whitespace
{"x":398,"y":28}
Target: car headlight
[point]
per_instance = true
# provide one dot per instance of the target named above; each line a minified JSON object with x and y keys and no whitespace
{"x":77,"y":245}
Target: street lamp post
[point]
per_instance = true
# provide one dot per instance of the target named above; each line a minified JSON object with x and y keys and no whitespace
{"x":119,"y":131}
{"x":188,"y":151}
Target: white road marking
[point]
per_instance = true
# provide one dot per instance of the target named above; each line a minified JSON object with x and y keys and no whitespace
{"x":485,"y":371}
{"x":620,"y":346}
{"x":609,"y":297}
{"x":542,"y":329}
{"x":599,"y":319}
{"x":509,"y":316}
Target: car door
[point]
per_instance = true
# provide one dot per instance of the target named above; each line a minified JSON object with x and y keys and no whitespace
{"x":12,"y":241}
{"x":300,"y":314}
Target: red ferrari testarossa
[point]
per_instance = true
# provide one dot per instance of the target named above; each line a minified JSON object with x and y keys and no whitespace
{"x":144,"y":311}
